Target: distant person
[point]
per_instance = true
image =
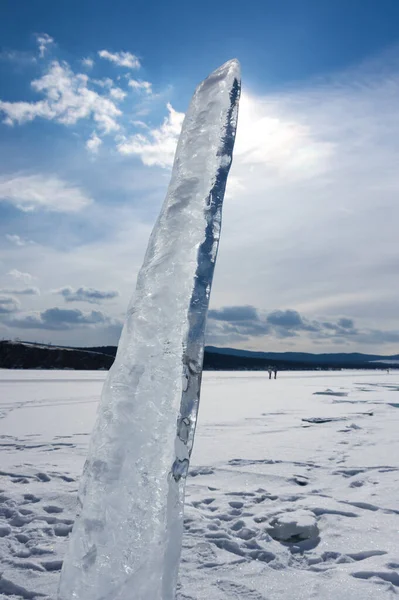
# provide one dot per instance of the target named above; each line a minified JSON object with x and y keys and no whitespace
{"x":270,"y":371}
{"x":275,"y":372}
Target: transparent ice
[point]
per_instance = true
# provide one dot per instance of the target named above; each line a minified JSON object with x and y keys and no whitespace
{"x":126,"y":541}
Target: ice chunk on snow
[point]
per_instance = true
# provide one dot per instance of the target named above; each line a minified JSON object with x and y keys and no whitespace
{"x":126,"y":540}
{"x":294,"y":526}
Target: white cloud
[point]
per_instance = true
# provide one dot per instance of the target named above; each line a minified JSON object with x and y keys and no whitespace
{"x":106,"y":82}
{"x":88,"y":63}
{"x":93,"y":143}
{"x":17,"y":240}
{"x":25,"y":277}
{"x":140,"y":124}
{"x":35,"y":192}
{"x":279,"y":142}
{"x":117,"y":93}
{"x":69,"y":97}
{"x":158,"y":146}
{"x":122,"y":59}
{"x":145,"y":86}
{"x":67,"y":100}
{"x":21,"y":112}
{"x":264,"y":138}
{"x":43,"y":40}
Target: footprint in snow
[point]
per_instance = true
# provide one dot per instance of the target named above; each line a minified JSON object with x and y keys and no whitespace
{"x":329,"y":392}
{"x":236,"y":590}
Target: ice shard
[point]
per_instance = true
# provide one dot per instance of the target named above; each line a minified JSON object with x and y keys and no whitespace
{"x":126,"y":540}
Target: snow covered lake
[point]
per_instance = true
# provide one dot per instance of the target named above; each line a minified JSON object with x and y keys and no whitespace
{"x":293,"y":491}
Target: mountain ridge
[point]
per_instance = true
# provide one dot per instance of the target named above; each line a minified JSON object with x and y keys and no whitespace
{"x":31,"y":355}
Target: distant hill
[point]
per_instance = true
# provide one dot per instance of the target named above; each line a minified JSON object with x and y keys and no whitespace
{"x":27,"y":355}
{"x":24,"y":355}
{"x":348,"y":359}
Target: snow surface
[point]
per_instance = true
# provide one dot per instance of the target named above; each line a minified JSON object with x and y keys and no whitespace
{"x":127,"y":535}
{"x":292,"y":494}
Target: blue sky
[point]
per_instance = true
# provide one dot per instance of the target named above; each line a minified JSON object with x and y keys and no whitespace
{"x":92,"y":97}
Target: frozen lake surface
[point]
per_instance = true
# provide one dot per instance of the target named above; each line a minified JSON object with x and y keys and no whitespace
{"x":293,"y":491}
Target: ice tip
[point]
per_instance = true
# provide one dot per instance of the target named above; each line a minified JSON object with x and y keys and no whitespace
{"x":230,"y":67}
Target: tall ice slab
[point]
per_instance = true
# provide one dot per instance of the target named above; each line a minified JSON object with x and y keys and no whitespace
{"x":126,"y":541}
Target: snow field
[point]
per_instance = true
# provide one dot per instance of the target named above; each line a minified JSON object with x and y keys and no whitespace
{"x":292,"y":492}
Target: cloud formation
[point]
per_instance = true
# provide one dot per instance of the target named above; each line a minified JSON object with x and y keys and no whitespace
{"x":232,"y":324}
{"x":34,"y":192}
{"x":234,"y":314}
{"x":44,"y":41}
{"x":117,"y":93}
{"x":16,"y":240}
{"x":29,"y":291}
{"x":86,"y":294}
{"x":310,"y":211}
{"x":121,"y":59}
{"x":158,"y":146}
{"x":60,"y":319}
{"x":93,"y":143}
{"x":25,"y":277}
{"x":8,"y":305}
{"x":138,"y":85}
{"x":88,"y":63}
{"x":67,"y":99}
